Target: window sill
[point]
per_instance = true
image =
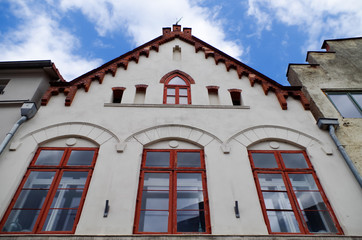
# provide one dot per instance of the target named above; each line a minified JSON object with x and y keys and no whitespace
{"x":174,"y":106}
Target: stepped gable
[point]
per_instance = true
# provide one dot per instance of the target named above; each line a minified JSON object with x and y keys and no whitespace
{"x":70,"y":88}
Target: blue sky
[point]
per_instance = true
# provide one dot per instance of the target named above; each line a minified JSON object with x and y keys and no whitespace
{"x":80,"y":35}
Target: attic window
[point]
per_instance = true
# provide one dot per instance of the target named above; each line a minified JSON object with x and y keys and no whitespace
{"x":235,"y":96}
{"x":140,"y":93}
{"x":213,"y":94}
{"x":117,"y":94}
{"x":176,"y":53}
{"x":3,"y":83}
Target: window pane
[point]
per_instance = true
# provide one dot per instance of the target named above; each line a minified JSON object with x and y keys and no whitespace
{"x":21,"y":221}
{"x":157,"y":159}
{"x":156,"y":181}
{"x":189,"y":181}
{"x":310,"y":201}
{"x":276,"y":200}
{"x":79,"y":158}
{"x":271,"y":181}
{"x":303,"y":181}
{"x":183,"y":100}
{"x":73,"y":180}
{"x":319,"y":222}
{"x":358,"y":98}
{"x":182,"y":92}
{"x":188,"y":159}
{"x":345,"y":106}
{"x":264,"y":160}
{"x":68,"y":198}
{"x":190,"y":200}
{"x":171,"y":92}
{"x":39,"y":180}
{"x":156,"y":200}
{"x":153,"y":221}
{"x":60,"y":220}
{"x":31,"y":199}
{"x":190,"y":221}
{"x":171,"y":100}
{"x":177,"y":81}
{"x":282,"y":221}
{"x":49,"y":157}
{"x":294,"y":160}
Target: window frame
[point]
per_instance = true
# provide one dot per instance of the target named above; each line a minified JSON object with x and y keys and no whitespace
{"x":53,"y":187}
{"x":177,"y":90}
{"x":349,"y":94}
{"x":173,"y":170}
{"x":293,"y":200}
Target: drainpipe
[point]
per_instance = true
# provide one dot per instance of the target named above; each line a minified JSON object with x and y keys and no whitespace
{"x":330,"y":124}
{"x":27,"y":110}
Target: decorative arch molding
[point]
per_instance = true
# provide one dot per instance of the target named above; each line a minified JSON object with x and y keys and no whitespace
{"x":258,"y":134}
{"x":89,"y":131}
{"x":173,"y":131}
{"x":177,"y":72}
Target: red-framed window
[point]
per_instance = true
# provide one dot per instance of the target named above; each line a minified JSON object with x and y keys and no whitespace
{"x":290,"y":194}
{"x":51,"y":194}
{"x":177,"y":90}
{"x":172,"y":196}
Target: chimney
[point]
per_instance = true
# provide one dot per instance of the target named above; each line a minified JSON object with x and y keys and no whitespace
{"x":176,"y":28}
{"x":166,"y":30}
{"x":187,"y":31}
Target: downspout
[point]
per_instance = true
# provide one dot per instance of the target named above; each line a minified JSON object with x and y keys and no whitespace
{"x":330,"y":123}
{"x":27,"y":110}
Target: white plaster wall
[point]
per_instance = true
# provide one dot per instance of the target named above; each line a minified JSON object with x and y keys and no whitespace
{"x":224,"y":133}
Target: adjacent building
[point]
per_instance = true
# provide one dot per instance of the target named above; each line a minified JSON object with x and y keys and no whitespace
{"x":176,"y":138}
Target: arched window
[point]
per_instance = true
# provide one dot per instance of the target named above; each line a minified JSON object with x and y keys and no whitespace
{"x":177,"y":90}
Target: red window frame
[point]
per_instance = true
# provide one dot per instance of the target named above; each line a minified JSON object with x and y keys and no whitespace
{"x":173,"y":170}
{"x":295,"y":205}
{"x":44,"y":209}
{"x":177,"y":90}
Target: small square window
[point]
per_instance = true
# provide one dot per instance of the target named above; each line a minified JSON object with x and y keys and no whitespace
{"x":3,"y":83}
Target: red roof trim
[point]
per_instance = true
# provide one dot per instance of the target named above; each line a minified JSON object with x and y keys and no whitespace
{"x":98,"y":74}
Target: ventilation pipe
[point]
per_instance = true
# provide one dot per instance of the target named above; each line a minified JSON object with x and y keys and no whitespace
{"x":331,"y":124}
{"x":27,"y":110}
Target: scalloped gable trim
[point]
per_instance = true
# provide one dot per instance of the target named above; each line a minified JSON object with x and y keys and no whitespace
{"x":84,"y":81}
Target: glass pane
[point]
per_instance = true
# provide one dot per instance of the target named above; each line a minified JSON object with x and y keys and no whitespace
{"x":188,"y":159}
{"x":276,"y":200}
{"x":310,"y":201}
{"x":78,"y":158}
{"x":60,"y":220}
{"x":183,"y":100}
{"x":190,"y":221}
{"x":182,"y":92}
{"x":49,"y":157}
{"x":282,"y":221}
{"x":189,"y":181}
{"x":190,"y":200}
{"x":73,"y":180}
{"x":157,"y":159}
{"x":269,"y":181}
{"x":68,"y":198}
{"x":358,"y":98}
{"x":21,"y":221}
{"x":40,"y":180}
{"x":156,"y":181}
{"x":345,"y":106}
{"x":171,"y":92}
{"x":177,"y":81}
{"x":171,"y":100}
{"x":31,"y":199}
{"x":319,"y":222}
{"x":156,"y":200}
{"x":294,"y":160}
{"x":153,"y":221}
{"x":264,"y":160}
{"x":303,"y":182}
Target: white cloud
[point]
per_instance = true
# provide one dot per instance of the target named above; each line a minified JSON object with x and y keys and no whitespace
{"x":320,"y":20}
{"x":39,"y":37}
{"x":143,"y":20}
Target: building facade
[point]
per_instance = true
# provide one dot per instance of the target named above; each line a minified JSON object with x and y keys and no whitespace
{"x":332,"y":83}
{"x":176,"y":137}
